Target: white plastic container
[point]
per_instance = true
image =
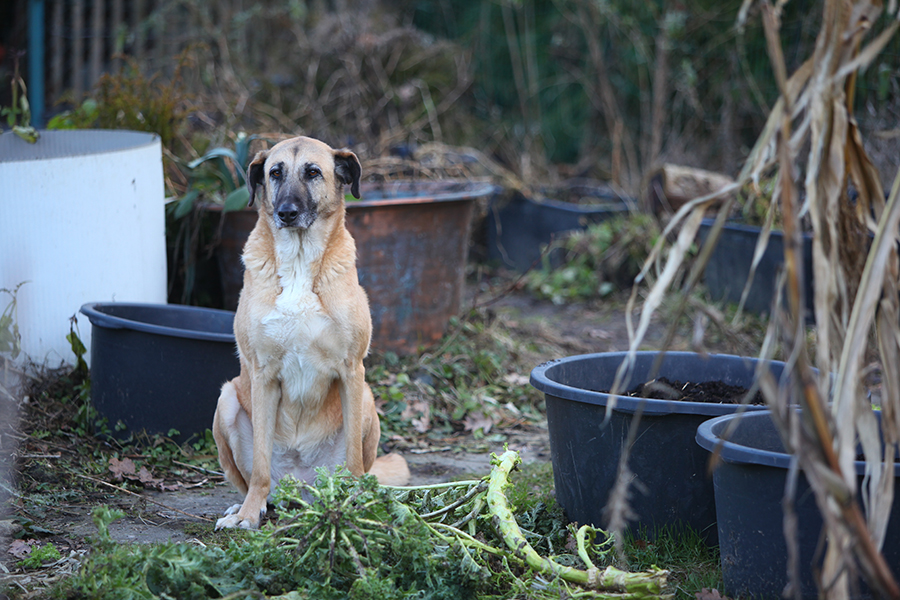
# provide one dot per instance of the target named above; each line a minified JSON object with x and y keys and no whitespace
{"x":82,"y":219}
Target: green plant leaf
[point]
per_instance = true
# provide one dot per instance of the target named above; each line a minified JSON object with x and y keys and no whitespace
{"x":225,"y":176}
{"x":237,"y":199}
{"x":214,"y":153}
{"x":186,"y":203}
{"x":242,"y":150}
{"x":29,"y":134}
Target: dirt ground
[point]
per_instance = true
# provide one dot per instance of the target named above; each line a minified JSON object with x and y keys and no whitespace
{"x":156,"y":516}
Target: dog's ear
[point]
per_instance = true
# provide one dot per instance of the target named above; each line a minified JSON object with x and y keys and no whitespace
{"x":255,"y":174}
{"x":347,"y":169}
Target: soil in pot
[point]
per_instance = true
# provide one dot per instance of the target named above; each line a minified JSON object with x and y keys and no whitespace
{"x":714,"y":392}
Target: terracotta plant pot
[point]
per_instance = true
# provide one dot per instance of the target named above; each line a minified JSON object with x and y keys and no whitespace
{"x":412,"y":240}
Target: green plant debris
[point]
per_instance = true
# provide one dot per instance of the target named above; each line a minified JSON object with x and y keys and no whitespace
{"x":347,"y":537}
{"x":40,"y":556}
{"x":10,"y":339}
{"x":648,"y":584}
{"x":596,"y":262}
{"x":18,"y":114}
{"x":476,"y":382}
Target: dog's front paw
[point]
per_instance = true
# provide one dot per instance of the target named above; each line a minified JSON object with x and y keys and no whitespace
{"x":233,"y":510}
{"x":234,"y":520}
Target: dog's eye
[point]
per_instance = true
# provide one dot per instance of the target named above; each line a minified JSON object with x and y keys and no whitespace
{"x":275,"y":173}
{"x":312,"y":172}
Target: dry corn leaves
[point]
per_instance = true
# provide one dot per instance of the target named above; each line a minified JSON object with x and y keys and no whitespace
{"x":811,"y":139}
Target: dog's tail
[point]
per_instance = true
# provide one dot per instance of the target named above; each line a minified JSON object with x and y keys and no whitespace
{"x":391,"y":469}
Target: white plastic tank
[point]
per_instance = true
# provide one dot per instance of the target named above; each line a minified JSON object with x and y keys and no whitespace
{"x":82,"y":219}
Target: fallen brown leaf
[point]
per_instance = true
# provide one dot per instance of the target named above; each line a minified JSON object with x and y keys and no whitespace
{"x":21,"y":548}
{"x":478,"y":420}
{"x":147,"y":478}
{"x":121,"y":468}
{"x":707,"y":594}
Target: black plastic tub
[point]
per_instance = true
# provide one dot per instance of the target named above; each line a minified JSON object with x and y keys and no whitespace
{"x":518,"y":230}
{"x":749,"y":487}
{"x":159,"y":367}
{"x":670,"y":466}
{"x":728,"y":268}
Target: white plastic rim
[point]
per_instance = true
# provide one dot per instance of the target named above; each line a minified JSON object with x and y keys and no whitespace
{"x":82,"y":219}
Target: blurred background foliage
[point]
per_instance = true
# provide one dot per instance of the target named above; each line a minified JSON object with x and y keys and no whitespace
{"x":550,"y":89}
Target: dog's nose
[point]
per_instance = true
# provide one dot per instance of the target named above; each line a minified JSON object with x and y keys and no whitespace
{"x":288,"y":214}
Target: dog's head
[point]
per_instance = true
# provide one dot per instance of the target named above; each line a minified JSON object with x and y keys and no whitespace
{"x":300,"y":180}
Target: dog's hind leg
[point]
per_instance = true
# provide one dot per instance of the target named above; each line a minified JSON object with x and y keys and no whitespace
{"x":230,"y":426}
{"x":353,"y":390}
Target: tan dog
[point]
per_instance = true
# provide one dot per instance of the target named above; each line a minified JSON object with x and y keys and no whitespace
{"x":302,"y":327}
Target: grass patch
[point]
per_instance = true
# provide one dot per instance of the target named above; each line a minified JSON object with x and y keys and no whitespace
{"x":693,"y":565}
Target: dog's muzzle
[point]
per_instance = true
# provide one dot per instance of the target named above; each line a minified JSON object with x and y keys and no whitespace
{"x":294,"y":214}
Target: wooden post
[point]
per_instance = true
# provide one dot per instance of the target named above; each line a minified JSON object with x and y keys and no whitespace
{"x":57,"y":50}
{"x":671,"y":186}
{"x":76,"y":60}
{"x":96,"y":38}
{"x":116,"y":27}
{"x":137,"y":26}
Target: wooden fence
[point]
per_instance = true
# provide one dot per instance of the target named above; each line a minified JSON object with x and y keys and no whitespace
{"x":85,"y":38}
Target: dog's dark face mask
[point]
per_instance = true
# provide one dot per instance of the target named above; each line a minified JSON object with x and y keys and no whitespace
{"x":294,"y":194}
{"x":294,"y":189}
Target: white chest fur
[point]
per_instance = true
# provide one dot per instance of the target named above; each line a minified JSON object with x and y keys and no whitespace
{"x":304,"y":332}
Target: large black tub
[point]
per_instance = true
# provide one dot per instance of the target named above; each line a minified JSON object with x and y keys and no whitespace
{"x":728,"y":268}
{"x":665,"y":459}
{"x":749,"y":487}
{"x":158,"y":367}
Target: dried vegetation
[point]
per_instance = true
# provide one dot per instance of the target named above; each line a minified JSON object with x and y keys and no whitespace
{"x":812,"y":145}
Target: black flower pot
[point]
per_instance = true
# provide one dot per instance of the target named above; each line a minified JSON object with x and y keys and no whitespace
{"x":749,"y":487}
{"x":518,"y":230}
{"x":670,"y":467}
{"x":158,"y":367}
{"x":728,"y":268}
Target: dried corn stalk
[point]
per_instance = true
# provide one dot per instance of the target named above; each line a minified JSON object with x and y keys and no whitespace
{"x":811,"y":139}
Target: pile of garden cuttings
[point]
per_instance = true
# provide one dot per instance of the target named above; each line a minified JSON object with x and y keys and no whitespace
{"x":347,"y":537}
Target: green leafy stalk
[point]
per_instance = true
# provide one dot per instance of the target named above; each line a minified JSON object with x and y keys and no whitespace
{"x":18,"y":116}
{"x":634,"y":585}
